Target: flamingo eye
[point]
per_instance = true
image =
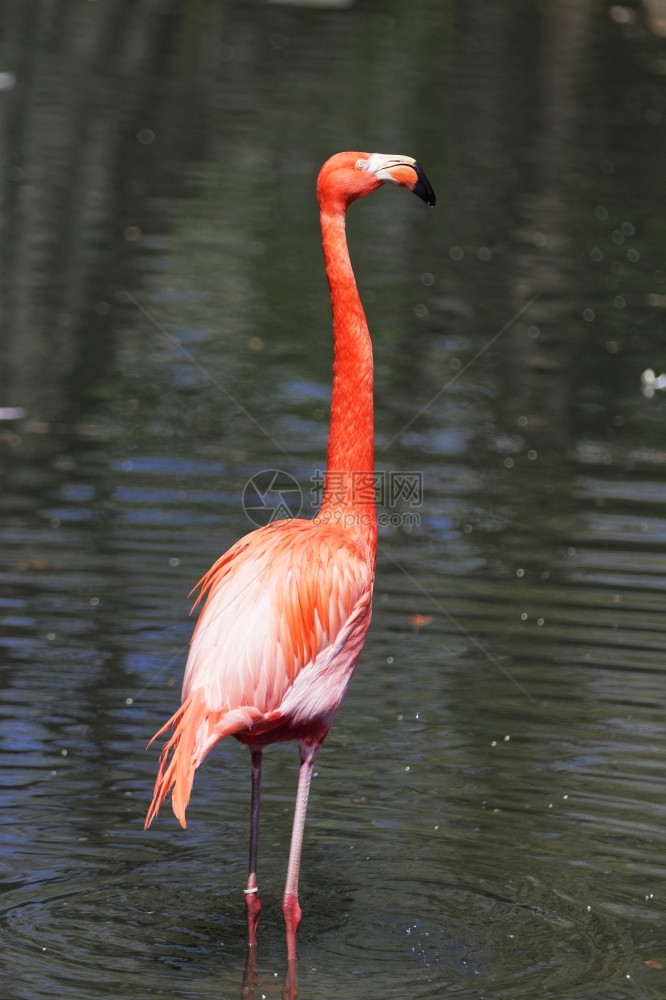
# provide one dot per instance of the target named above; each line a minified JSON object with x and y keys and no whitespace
{"x":360,"y":164}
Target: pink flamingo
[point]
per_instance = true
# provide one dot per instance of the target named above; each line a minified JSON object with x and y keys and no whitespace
{"x":288,"y":607}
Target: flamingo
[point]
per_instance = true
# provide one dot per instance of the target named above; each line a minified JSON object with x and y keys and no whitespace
{"x":286,"y":610}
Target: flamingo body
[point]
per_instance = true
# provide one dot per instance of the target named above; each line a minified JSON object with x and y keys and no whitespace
{"x":286,"y":613}
{"x":286,"y":610}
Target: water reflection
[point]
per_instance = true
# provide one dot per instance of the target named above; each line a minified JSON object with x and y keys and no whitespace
{"x":169,"y":151}
{"x":251,"y":979}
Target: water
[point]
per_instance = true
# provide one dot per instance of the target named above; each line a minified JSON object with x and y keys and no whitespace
{"x":487,"y":819}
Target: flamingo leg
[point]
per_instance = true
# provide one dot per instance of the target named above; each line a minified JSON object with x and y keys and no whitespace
{"x":290,"y":907}
{"x":252,"y":903}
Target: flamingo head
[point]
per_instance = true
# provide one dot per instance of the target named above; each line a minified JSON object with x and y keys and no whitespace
{"x":347,"y":176}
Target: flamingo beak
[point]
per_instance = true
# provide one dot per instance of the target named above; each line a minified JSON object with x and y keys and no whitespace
{"x":423,"y":187}
{"x":406,"y":172}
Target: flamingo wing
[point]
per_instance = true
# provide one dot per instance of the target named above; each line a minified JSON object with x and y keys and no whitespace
{"x":284,"y":618}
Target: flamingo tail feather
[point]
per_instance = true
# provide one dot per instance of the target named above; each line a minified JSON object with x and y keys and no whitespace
{"x":196,"y":730}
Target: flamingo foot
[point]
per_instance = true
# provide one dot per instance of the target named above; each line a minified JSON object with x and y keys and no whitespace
{"x":252,"y":912}
{"x":292,"y":918}
{"x":250,"y":977}
{"x":290,"y":988}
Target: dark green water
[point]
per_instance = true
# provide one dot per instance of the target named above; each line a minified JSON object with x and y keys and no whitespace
{"x":488,"y":816}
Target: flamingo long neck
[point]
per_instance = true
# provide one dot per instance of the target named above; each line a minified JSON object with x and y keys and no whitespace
{"x":348,"y":485}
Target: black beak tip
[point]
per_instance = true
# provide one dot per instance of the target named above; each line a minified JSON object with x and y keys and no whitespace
{"x":423,"y":187}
